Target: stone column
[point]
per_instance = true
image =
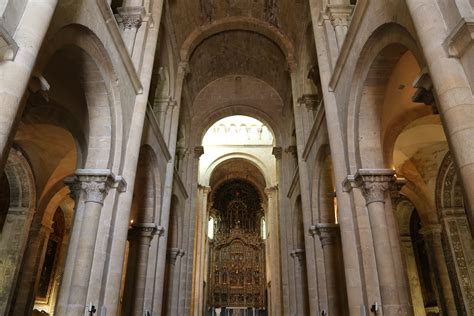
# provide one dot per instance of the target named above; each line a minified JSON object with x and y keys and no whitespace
{"x":339,"y":13}
{"x":455,"y":99}
{"x":15,"y":73}
{"x":172,"y":256}
{"x":400,"y":269}
{"x":274,"y":249}
{"x":131,"y":13}
{"x":330,"y":238}
{"x":201,"y":259}
{"x":300,"y":281}
{"x":432,"y":238}
{"x":412,"y":273}
{"x":31,"y":270}
{"x":142,"y":234}
{"x":374,"y":183}
{"x":95,"y":184}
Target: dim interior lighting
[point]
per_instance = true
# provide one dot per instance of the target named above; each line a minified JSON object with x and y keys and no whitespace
{"x":336,"y":211}
{"x":131,"y":222}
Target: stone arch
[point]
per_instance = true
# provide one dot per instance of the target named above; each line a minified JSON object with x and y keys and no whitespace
{"x":21,"y":208}
{"x":378,"y":58}
{"x":238,"y":23}
{"x":99,"y":84}
{"x":208,"y":119}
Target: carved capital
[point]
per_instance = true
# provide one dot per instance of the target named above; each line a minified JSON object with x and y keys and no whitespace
{"x":311,"y":101}
{"x":395,"y":189}
{"x":74,"y":188}
{"x":173,"y":254}
{"x":374,"y":183}
{"x":271,"y":190}
{"x":131,"y":17}
{"x":95,"y":183}
{"x":96,"y":191}
{"x":339,"y":15}
{"x":292,"y":150}
{"x":183,"y":69}
{"x":277,"y":151}
{"x":198,"y":152}
{"x":147,"y":230}
{"x":328,"y":233}
{"x":298,"y":254}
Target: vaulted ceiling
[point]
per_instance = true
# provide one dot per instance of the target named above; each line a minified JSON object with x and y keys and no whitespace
{"x":251,"y":38}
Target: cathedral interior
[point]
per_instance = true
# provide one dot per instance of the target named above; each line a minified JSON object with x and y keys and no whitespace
{"x":236,"y":157}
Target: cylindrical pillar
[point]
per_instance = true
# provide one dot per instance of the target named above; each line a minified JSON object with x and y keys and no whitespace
{"x":15,"y":74}
{"x":95,"y":184}
{"x":31,"y":270}
{"x":432,"y":237}
{"x":374,"y":184}
{"x":330,"y":238}
{"x":142,"y":234}
{"x":455,"y":99}
{"x":340,"y":12}
{"x":300,"y":280}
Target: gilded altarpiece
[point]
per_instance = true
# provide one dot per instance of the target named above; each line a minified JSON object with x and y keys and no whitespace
{"x":237,"y":254}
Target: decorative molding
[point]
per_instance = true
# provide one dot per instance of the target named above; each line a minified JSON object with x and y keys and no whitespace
{"x":117,"y":39}
{"x":460,"y":38}
{"x":345,"y":50}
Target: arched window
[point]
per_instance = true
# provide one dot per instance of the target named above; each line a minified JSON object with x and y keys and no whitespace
{"x":210,"y":227}
{"x":263,"y":228}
